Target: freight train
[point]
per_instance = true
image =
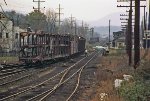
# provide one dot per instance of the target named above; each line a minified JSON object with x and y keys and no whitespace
{"x":39,"y":47}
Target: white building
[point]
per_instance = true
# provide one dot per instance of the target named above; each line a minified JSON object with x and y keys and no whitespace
{"x":9,"y":34}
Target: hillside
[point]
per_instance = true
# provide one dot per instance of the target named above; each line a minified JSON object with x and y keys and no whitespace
{"x":104,"y":30}
{"x":114,"y":17}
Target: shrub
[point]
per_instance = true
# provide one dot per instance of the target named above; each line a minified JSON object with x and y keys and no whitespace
{"x":134,"y":91}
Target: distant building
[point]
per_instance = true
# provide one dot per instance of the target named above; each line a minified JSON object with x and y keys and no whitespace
{"x":119,"y":39}
{"x":119,"y":43}
{"x":9,"y":34}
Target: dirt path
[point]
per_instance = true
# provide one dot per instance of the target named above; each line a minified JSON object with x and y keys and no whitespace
{"x":108,"y":69}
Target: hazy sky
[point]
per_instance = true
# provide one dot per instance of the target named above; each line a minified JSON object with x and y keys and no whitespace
{"x":87,"y":10}
{"x":81,"y":9}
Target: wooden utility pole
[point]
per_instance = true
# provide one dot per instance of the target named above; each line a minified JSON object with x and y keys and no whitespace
{"x":136,"y":31}
{"x":145,"y":16}
{"x":86,"y":31}
{"x":130,"y":34}
{"x":137,"y":34}
{"x":109,"y":36}
{"x":149,"y":17}
{"x":59,"y":17}
{"x":39,"y":5}
{"x":82,"y":29}
{"x":38,"y":9}
{"x":75,"y":27}
{"x":71,"y":22}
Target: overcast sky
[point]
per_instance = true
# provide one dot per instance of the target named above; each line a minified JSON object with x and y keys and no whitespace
{"x":87,"y":10}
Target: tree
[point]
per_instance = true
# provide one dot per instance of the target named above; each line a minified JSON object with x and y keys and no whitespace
{"x":65,"y":27}
{"x":37,"y":20}
{"x":51,"y":21}
{"x":17,"y":18}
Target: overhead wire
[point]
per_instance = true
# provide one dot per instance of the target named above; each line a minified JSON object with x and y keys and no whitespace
{"x":4,"y":12}
{"x":18,"y":6}
{"x":5,"y":2}
{"x":3,"y":24}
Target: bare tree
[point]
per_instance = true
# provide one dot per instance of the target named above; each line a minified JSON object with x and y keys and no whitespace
{"x":65,"y":27}
{"x":51,"y":20}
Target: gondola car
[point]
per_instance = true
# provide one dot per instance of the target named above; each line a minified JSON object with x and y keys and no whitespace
{"x":39,"y":47}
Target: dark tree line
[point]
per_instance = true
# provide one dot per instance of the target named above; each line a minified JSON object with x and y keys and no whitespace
{"x":40,"y":21}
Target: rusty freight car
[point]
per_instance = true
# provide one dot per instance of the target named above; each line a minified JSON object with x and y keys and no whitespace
{"x":42,"y":47}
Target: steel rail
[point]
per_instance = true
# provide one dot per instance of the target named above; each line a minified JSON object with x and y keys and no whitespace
{"x":37,"y":85}
{"x":50,"y":91}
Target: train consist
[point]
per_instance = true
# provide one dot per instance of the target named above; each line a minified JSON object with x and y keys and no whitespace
{"x":39,"y":47}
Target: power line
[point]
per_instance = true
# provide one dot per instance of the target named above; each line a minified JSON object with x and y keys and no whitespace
{"x":136,"y":31}
{"x":39,"y":5}
{"x":59,"y":14}
{"x":59,"y":17}
{"x":109,"y":35}
{"x":5,"y":2}
{"x":71,"y":21}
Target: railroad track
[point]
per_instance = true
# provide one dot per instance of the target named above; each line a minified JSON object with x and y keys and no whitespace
{"x":9,"y":67}
{"x":35,"y":86}
{"x":11,"y":72}
{"x":62,"y":81}
{"x":21,"y":74}
{"x":8,"y":73}
{"x":54,"y":86}
{"x":16,"y":74}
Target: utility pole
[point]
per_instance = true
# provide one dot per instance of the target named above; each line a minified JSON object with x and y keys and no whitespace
{"x":92,"y":31}
{"x":75,"y":27}
{"x":38,"y":9}
{"x":145,"y":16}
{"x":145,"y":28}
{"x":71,"y":22}
{"x":136,"y":31}
{"x":130,"y":34}
{"x":109,"y":35}
{"x":82,"y":29}
{"x":86,"y":31}
{"x":39,"y":5}
{"x":59,"y":17}
{"x":149,"y":17}
{"x":137,"y":34}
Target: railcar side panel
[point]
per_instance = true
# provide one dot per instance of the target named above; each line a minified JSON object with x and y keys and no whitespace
{"x":40,"y":47}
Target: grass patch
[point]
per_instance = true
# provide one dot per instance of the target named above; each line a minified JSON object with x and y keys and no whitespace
{"x":139,"y":89}
{"x":109,"y":69}
{"x":117,"y":52}
{"x":135,"y":91}
{"x":9,"y":59}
